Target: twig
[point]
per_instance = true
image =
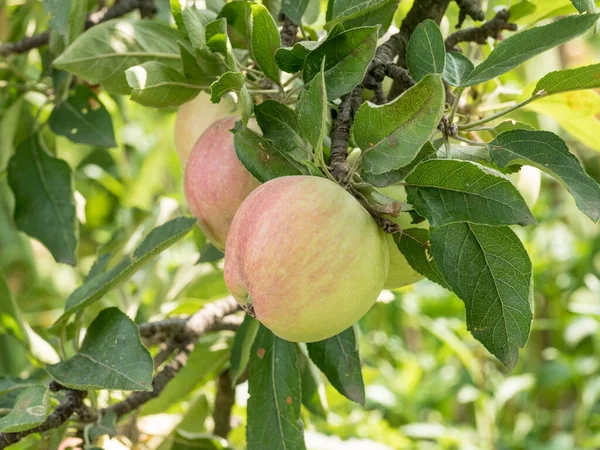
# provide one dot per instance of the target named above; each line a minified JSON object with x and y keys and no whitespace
{"x":224,"y":401}
{"x":471,"y":8}
{"x":470,"y":142}
{"x":381,"y":66}
{"x":289,"y":31}
{"x":380,"y":97}
{"x":476,"y":123}
{"x":340,"y":134}
{"x":159,"y":383}
{"x":188,"y":328}
{"x":182,"y":334}
{"x":401,"y":77}
{"x":492,"y":28}
{"x":420,"y":11}
{"x":72,"y":402}
{"x":146,"y":8}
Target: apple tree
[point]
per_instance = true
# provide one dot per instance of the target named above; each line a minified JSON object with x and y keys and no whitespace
{"x":329,"y":151}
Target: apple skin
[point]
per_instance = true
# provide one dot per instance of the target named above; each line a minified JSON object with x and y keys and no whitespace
{"x":196,"y":116}
{"x":528,"y":181}
{"x":215,"y":182}
{"x":400,"y":273}
{"x":307,"y":256}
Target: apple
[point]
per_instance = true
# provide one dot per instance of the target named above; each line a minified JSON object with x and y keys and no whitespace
{"x":215,"y":181}
{"x":528,"y":181}
{"x":196,"y":116}
{"x":306,"y":257}
{"x":400,"y":273}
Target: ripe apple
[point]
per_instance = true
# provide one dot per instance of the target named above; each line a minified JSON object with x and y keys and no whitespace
{"x":306,"y":256}
{"x":215,"y":181}
{"x":400,"y":273}
{"x":196,"y":116}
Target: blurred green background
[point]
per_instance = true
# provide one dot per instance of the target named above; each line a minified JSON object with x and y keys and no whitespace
{"x":430,"y":385}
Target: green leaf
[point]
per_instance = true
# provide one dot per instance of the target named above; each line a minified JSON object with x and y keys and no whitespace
{"x":294,"y":9}
{"x":446,"y":191}
{"x":576,"y":112}
{"x":218,"y":41}
{"x":229,"y":81}
{"x":478,"y":154}
{"x":195,"y":441}
{"x":215,"y":5}
{"x":106,"y":425}
{"x":208,"y":359}
{"x":233,"y":81}
{"x":292,"y":59}
{"x":395,"y":176}
{"x":347,"y":57}
{"x":414,"y":245}
{"x":196,"y":20}
{"x":313,"y":392}
{"x":67,"y":17}
{"x":549,"y":153}
{"x":489,"y":269}
{"x":103,"y":53}
{"x":262,"y":159}
{"x":237,"y":14}
{"x":176,"y":12}
{"x":313,"y":113}
{"x":157,"y":85}
{"x":210,"y":253}
{"x":457,"y":69}
{"x":59,"y":15}
{"x":83,"y":119}
{"x":338,"y":359}
{"x":521,"y":9}
{"x":44,"y":205}
{"x":14,"y":126}
{"x":216,"y":36}
{"x":312,"y":13}
{"x":193,"y":72}
{"x":519,"y":48}
{"x":381,"y":15}
{"x":279,"y":124}
{"x":242,"y":345}
{"x":584,"y":6}
{"x":274,"y":420}
{"x":11,"y":320}
{"x":30,"y":410}
{"x":111,"y":356}
{"x":77,"y":18}
{"x":587,"y":77}
{"x":426,"y":51}
{"x":391,"y":135}
{"x":346,"y":9}
{"x":94,"y":288}
{"x":265,"y":40}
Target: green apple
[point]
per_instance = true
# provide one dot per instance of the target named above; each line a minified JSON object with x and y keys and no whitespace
{"x":400,"y":273}
{"x":306,"y":256}
{"x":196,"y":116}
{"x":215,"y":181}
{"x":528,"y":181}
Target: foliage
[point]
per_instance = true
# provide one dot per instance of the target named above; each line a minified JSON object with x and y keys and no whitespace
{"x":107,"y":290}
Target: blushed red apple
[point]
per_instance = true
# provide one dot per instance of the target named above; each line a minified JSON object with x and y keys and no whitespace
{"x":306,"y":256}
{"x":196,"y":116}
{"x":215,"y":181}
